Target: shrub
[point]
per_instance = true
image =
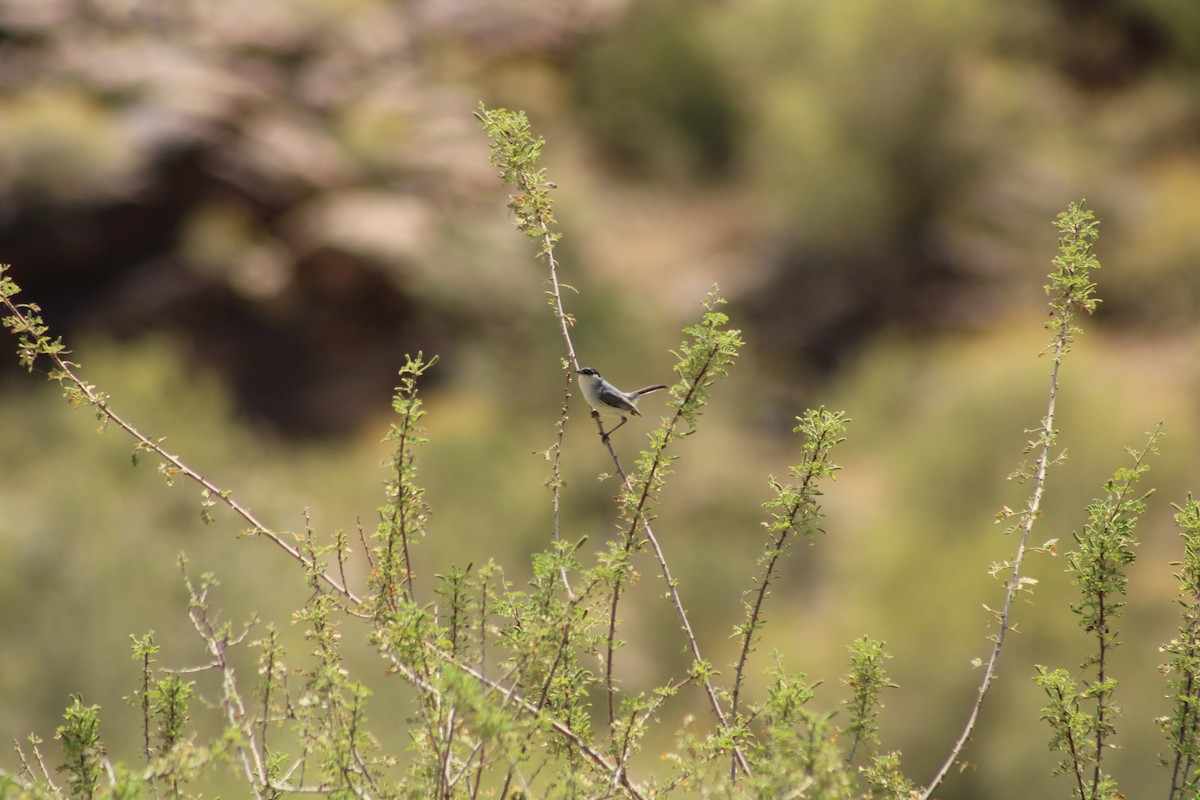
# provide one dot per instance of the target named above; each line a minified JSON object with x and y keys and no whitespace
{"x":513,"y":689}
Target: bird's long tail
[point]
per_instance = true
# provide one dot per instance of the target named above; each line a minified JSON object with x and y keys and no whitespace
{"x":648,"y":390}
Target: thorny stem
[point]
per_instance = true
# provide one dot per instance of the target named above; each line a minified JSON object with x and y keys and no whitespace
{"x":235,"y":711}
{"x":420,"y":679}
{"x":146,"y":705}
{"x":1070,"y":288}
{"x":1190,"y":717}
{"x":41,"y":762}
{"x":1101,"y":698}
{"x":693,"y":644}
{"x":177,"y":466}
{"x":561,"y":651}
{"x":564,"y":730}
{"x":268,"y":681}
{"x":638,"y":519}
{"x":403,"y":507}
{"x":1188,"y":725}
{"x":1046,"y":438}
{"x":556,"y":469}
{"x":759,"y":601}
{"x":1102,"y":633}
{"x":483,"y":644}
{"x":539,"y":224}
{"x":608,"y":655}
{"x":647,"y":713}
{"x":764,"y":584}
{"x":860,"y":711}
{"x":1073,"y":749}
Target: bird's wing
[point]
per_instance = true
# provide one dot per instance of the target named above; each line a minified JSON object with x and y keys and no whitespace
{"x":616,"y":400}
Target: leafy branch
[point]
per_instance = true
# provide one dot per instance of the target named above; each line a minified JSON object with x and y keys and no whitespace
{"x":1182,"y":725}
{"x":1071,"y":290}
{"x":1105,"y":549}
{"x":25,"y":322}
{"x":517,"y":154}
{"x":794,"y":510}
{"x":704,"y":359}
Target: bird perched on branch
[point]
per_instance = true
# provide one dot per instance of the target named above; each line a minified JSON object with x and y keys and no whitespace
{"x":607,"y":400}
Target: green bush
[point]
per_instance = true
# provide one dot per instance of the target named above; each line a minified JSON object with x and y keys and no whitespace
{"x":517,"y":691}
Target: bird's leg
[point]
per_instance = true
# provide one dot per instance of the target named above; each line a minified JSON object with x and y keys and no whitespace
{"x":600,"y":424}
{"x":614,"y":430}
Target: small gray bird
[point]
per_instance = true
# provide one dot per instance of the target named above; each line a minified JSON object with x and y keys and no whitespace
{"x":608,"y":400}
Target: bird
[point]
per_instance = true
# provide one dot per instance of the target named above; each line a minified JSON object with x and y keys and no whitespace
{"x":608,"y":400}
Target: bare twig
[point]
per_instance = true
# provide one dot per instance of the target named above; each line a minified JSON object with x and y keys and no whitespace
{"x":235,"y":712}
{"x":800,"y":511}
{"x":647,"y":713}
{"x":638,"y":519}
{"x":777,"y":551}
{"x":760,"y":599}
{"x":41,"y":762}
{"x":1189,"y":716}
{"x":561,"y":728}
{"x":1070,"y":289}
{"x":65,"y":374}
{"x":401,"y":457}
{"x":693,"y":643}
{"x":556,"y":451}
{"x":362,"y":537}
{"x":1046,"y":435}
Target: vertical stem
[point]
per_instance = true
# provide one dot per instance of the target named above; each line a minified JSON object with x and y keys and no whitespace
{"x":1031,"y":513}
{"x":1101,"y":696}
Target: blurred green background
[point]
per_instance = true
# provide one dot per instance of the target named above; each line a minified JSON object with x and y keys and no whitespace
{"x":242,"y":215}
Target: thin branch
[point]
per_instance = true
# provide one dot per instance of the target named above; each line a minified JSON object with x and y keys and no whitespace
{"x":401,"y":457}
{"x":483,"y":618}
{"x":1188,"y":721}
{"x":556,"y":451}
{"x":647,"y":713}
{"x":540,"y":225}
{"x":638,"y":518}
{"x":362,"y":537}
{"x":610,"y":649}
{"x":235,"y":711}
{"x":777,"y":551}
{"x":1046,"y":437}
{"x":268,"y":681}
{"x":145,"y":704}
{"x":818,"y":447}
{"x":610,"y":644}
{"x":1070,"y":288}
{"x":562,"y":729}
{"x":756,"y":612}
{"x":41,"y":762}
{"x":65,"y":374}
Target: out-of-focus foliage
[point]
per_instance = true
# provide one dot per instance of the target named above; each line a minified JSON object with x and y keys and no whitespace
{"x":254,"y":178}
{"x":657,"y":97}
{"x":905,"y":152}
{"x":869,"y":164}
